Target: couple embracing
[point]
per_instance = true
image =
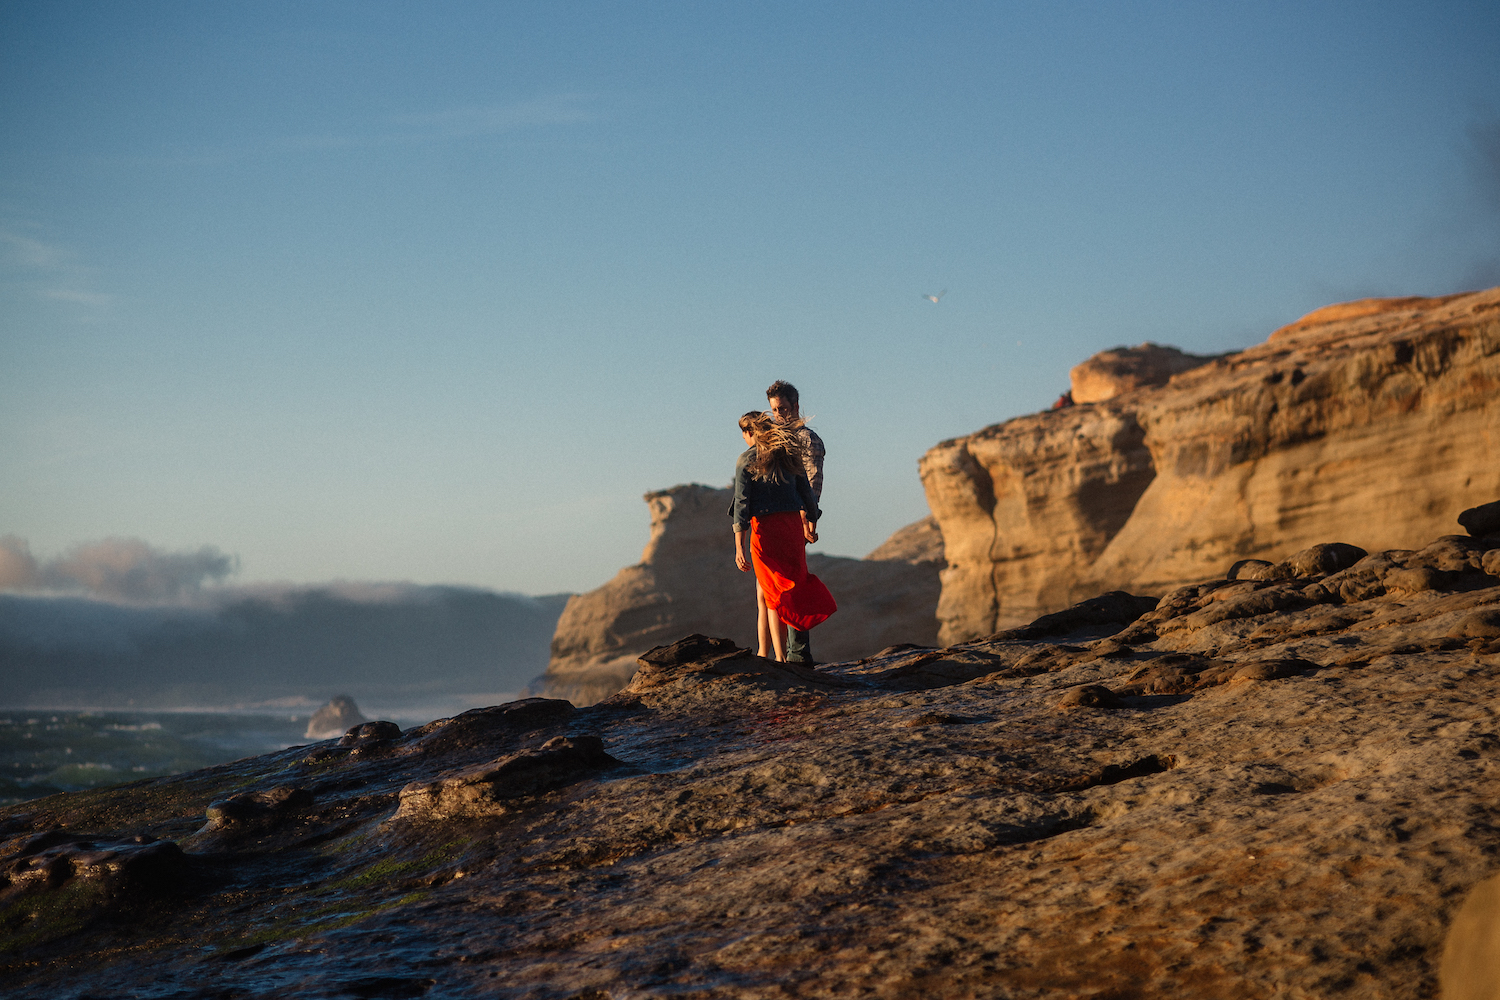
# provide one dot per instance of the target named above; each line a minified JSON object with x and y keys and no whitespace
{"x":777,"y":483}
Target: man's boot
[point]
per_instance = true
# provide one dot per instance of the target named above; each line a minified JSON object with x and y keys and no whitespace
{"x":799,"y":646}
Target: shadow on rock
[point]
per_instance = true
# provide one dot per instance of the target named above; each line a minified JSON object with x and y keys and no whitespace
{"x":54,"y":884}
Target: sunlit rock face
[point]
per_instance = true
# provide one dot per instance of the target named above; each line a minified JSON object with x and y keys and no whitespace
{"x":687,"y":582}
{"x":1111,"y":373}
{"x":1275,"y":782}
{"x":1367,"y":422}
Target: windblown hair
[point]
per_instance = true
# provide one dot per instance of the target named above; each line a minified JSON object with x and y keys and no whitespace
{"x":783,"y":390}
{"x":778,"y":447}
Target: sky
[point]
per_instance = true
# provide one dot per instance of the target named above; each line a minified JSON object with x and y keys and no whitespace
{"x":435,"y":292}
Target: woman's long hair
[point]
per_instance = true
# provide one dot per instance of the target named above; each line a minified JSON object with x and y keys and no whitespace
{"x":778,"y":447}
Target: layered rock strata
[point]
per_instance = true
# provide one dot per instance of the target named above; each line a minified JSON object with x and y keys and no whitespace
{"x":1278,"y":786}
{"x":1371,"y":421}
{"x":687,"y":582}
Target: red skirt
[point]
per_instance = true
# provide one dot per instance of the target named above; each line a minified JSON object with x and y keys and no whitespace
{"x":779,"y":552}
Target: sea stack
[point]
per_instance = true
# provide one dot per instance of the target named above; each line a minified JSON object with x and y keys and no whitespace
{"x":334,"y":719}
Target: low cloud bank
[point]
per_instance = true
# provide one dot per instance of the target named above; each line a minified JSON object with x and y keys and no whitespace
{"x":118,"y":622}
{"x":385,"y":644}
{"x":122,"y":569}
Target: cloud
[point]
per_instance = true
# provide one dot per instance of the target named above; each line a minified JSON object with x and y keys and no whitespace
{"x":74,"y":295}
{"x":48,"y":270}
{"x":23,"y":251}
{"x":397,"y":644}
{"x":558,"y":109}
{"x":120,"y":569}
{"x":118,"y":622}
{"x":455,"y":123}
{"x":410,"y":129}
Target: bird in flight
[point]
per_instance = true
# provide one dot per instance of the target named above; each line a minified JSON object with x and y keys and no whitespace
{"x":933,"y":298}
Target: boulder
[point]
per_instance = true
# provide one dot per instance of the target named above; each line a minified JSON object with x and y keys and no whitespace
{"x":1323,"y":559}
{"x":686,"y":582}
{"x":496,"y":788}
{"x":1089,"y":696}
{"x":1104,"y":615}
{"x":255,"y":812}
{"x":1482,"y":520}
{"x":1358,"y":422}
{"x":370,"y":732}
{"x":1252,"y":569}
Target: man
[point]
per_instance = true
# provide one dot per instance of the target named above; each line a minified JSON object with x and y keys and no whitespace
{"x":783,"y":399}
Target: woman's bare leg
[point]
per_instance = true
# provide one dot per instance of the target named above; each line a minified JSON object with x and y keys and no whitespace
{"x":762,"y":624}
{"x":778,"y":635}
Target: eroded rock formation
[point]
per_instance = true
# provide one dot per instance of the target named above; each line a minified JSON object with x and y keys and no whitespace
{"x":1124,"y":369}
{"x":1369,"y":421}
{"x":1269,"y":786}
{"x":687,"y":582}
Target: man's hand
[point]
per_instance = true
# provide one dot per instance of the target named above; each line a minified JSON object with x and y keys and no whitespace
{"x":809,"y":530}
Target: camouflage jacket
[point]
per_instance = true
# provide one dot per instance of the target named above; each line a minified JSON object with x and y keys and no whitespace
{"x":812,"y":458}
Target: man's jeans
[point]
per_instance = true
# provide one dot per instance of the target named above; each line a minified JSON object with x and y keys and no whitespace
{"x":798,"y":646}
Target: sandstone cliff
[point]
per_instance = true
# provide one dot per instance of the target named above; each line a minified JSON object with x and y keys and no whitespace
{"x":1111,"y":373}
{"x":1369,"y":422}
{"x":1269,"y":787}
{"x":687,"y":582}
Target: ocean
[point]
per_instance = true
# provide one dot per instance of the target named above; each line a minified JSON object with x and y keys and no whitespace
{"x":45,"y":752}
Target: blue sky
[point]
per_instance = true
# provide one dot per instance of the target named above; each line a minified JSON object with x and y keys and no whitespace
{"x":434,"y":292}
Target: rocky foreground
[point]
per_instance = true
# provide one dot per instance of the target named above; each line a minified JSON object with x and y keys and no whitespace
{"x":1282,"y":783}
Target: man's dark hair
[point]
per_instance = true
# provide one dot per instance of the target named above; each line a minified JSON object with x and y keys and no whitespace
{"x":783,"y":390}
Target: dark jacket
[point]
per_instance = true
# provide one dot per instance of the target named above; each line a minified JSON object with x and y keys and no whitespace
{"x":754,"y":497}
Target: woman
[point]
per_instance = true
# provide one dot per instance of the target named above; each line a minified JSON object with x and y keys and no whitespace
{"x":775,"y":515}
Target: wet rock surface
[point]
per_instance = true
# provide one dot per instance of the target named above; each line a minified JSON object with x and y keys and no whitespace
{"x":1257,"y":787}
{"x":509,"y":784}
{"x":55,"y":883}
